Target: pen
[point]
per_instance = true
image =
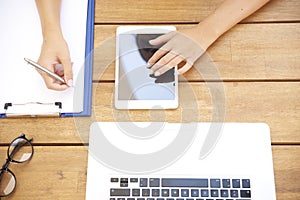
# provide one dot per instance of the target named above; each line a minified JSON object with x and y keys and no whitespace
{"x":51,"y":74}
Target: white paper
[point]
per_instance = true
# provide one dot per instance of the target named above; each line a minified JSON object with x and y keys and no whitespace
{"x":21,"y":36}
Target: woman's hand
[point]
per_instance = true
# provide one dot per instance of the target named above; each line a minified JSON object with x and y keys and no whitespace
{"x":179,"y":46}
{"x":55,"y":56}
{"x":189,"y":44}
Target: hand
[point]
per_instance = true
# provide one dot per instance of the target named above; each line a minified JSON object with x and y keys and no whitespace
{"x":55,"y":51}
{"x":180,"y":46}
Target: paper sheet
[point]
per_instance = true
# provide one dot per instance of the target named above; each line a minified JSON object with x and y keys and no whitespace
{"x":21,"y":36}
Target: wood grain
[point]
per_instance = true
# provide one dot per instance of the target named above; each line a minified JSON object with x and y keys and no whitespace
{"x":60,"y":173}
{"x":246,"y":52}
{"x":275,"y":103}
{"x":188,"y":11}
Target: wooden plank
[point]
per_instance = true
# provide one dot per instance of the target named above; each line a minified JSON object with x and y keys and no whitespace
{"x":43,"y":130}
{"x":275,"y":103}
{"x":247,"y":52}
{"x":188,"y":11}
{"x":60,"y":173}
{"x":286,"y":169}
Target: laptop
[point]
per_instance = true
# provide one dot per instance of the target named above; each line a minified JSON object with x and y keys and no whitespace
{"x":160,"y":161}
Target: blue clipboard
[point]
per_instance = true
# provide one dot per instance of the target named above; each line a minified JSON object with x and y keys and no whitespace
{"x":88,"y":70}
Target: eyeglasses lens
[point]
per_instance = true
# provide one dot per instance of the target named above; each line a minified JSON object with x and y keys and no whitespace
{"x":20,"y":150}
{"x":7,"y":183}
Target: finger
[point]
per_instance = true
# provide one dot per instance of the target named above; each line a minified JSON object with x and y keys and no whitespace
{"x":174,"y":62}
{"x":52,"y":84}
{"x":162,"y":62}
{"x":162,"y":39}
{"x":158,"y":55}
{"x":185,"y":68}
{"x":68,"y":72}
{"x":59,"y":70}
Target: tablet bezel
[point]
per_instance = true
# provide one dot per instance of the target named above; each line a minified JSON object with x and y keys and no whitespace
{"x":143,"y":104}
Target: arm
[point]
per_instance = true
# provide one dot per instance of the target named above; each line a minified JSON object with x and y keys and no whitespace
{"x":54,"y":49}
{"x":197,"y":40}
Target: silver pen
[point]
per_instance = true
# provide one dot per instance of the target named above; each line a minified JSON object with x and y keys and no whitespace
{"x":48,"y":72}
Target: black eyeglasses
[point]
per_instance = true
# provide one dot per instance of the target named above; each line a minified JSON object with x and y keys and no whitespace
{"x":20,"y":150}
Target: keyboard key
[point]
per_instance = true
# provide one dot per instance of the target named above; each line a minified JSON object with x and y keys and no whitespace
{"x":165,"y":193}
{"x":246,"y":193}
{"x":136,"y":192}
{"x":184,"y":193}
{"x":195,"y":193}
{"x":215,"y":183}
{"x":140,"y":199}
{"x":130,"y":198}
{"x":150,"y":199}
{"x":224,"y":193}
{"x":134,"y":180}
{"x":119,"y":192}
{"x":114,"y":180}
{"x":236,"y":183}
{"x":155,"y":192}
{"x":182,"y":182}
{"x":145,"y":192}
{"x":143,"y":182}
{"x":154,"y":182}
{"x":175,"y":192}
{"x":234,"y":193}
{"x":112,"y":198}
{"x":226,"y":183}
{"x":121,"y":199}
{"x":204,"y":193}
{"x":214,"y":193}
{"x":246,"y":183}
{"x":124,"y":182}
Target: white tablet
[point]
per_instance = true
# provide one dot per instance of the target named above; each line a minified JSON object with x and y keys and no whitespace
{"x":134,"y":87}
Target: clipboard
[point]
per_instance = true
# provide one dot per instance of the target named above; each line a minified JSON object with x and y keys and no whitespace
{"x":83,"y":88}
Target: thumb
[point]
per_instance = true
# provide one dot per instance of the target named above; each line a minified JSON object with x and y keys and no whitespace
{"x":162,"y":39}
{"x":68,"y":72}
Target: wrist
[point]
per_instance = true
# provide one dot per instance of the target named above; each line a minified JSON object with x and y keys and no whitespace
{"x":52,"y":35}
{"x":207,"y":35}
{"x":50,"y":30}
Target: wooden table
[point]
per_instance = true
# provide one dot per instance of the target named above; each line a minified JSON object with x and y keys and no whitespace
{"x":258,"y":61}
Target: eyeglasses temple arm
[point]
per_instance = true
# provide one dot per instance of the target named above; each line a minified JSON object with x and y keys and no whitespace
{"x":4,"y":166}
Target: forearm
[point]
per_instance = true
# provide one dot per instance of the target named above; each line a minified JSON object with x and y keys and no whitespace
{"x":49,"y":12}
{"x":228,"y":14}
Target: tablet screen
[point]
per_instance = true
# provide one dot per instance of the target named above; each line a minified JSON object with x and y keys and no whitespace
{"x":135,"y":81}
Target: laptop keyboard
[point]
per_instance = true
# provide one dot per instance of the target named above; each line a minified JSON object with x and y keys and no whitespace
{"x":179,"y":189}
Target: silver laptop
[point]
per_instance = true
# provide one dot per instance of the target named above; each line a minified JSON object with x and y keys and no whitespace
{"x":162,"y":161}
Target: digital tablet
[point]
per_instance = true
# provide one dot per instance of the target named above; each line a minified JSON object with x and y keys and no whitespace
{"x":135,"y":88}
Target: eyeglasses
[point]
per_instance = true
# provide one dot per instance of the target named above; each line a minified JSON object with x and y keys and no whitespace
{"x":20,"y":150}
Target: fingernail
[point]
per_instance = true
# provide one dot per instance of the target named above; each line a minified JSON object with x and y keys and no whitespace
{"x":70,"y":83}
{"x":157,"y":73}
{"x":148,"y":64}
{"x":150,"y":41}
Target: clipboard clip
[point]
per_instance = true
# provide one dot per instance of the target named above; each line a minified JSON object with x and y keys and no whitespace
{"x":33,"y":109}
